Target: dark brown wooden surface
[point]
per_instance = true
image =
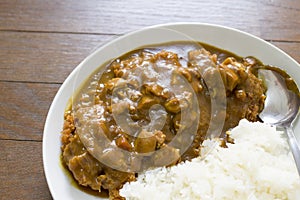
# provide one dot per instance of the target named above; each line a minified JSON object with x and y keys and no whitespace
{"x":41,"y":42}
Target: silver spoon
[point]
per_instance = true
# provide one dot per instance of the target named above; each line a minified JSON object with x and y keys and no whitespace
{"x":281,"y":108}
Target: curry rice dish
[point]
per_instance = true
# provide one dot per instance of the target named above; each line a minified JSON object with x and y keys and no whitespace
{"x":148,"y":74}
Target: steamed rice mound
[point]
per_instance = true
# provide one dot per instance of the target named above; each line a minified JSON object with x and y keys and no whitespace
{"x":259,"y":166}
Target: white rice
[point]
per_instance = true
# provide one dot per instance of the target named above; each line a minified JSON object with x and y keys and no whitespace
{"x":258,"y":166}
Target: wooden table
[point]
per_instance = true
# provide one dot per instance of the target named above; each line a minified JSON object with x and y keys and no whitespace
{"x":41,"y":42}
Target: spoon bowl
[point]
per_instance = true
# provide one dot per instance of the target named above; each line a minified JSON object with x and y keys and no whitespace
{"x":281,"y":108}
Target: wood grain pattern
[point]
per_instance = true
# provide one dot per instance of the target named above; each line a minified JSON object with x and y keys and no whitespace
{"x":43,"y":57}
{"x":266,"y":18}
{"x":23,"y":109}
{"x":21,"y":171}
{"x":280,"y":20}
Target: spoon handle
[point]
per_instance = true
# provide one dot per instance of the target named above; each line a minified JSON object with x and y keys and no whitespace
{"x":294,"y":146}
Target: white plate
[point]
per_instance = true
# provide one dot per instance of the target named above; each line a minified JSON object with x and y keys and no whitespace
{"x":241,"y":43}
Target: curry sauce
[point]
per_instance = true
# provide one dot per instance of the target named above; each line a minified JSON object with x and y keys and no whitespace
{"x":159,"y":101}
